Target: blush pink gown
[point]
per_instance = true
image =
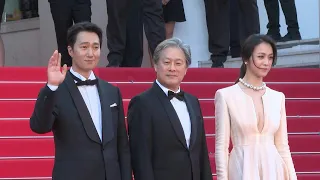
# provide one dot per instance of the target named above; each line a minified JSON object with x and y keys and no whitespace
{"x":255,"y":155}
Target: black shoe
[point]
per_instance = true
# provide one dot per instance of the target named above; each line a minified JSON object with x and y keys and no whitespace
{"x":113,"y":64}
{"x":217,"y":66}
{"x":275,"y":36}
{"x":291,"y":36}
{"x":217,"y":61}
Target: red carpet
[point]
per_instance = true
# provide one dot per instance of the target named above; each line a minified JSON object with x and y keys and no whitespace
{"x":24,"y":154}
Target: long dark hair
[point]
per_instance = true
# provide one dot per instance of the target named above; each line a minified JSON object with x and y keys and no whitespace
{"x":248,"y":47}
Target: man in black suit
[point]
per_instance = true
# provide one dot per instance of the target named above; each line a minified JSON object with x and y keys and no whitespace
{"x":290,"y":14}
{"x":64,"y":14}
{"x":84,"y":113}
{"x":235,"y":48}
{"x":147,"y":15}
{"x":116,"y":30}
{"x":218,"y":22}
{"x":166,"y":131}
{"x":2,"y":56}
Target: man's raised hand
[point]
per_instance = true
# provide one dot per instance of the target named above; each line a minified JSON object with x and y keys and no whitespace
{"x":55,"y":75}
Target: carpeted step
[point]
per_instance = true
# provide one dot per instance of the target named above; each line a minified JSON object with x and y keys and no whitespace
{"x":24,"y":109}
{"x":42,"y":167}
{"x":302,"y":162}
{"x":297,"y":143}
{"x":313,"y":176}
{"x":44,"y":146}
{"x":21,"y":127}
{"x":17,"y":168}
{"x":27,"y":147}
{"x":129,"y":90}
{"x":148,"y":74}
{"x":211,"y":75}
{"x":17,"y":127}
{"x":294,"y":124}
{"x":301,"y":176}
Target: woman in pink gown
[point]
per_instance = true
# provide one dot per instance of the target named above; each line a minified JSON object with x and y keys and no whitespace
{"x":253,"y":116}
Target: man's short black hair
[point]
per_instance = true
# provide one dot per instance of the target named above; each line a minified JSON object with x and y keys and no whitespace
{"x":82,"y":27}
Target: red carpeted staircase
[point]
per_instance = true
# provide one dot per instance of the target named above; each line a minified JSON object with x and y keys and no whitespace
{"x":26,"y":155}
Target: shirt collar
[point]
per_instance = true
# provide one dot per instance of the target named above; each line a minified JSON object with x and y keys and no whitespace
{"x":91,"y":77}
{"x":164,"y":89}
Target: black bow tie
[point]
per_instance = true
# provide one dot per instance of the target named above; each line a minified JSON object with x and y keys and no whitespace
{"x":84,"y":83}
{"x":179,"y":95}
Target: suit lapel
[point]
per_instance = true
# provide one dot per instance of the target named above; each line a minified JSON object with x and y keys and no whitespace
{"x":193,"y":120}
{"x":106,"y":114}
{"x":173,"y":117}
{"x":82,"y":109}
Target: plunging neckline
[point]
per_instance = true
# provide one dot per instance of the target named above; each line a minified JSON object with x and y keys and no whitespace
{"x":254,"y":109}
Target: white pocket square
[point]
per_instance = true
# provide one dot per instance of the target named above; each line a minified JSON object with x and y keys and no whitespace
{"x":113,"y":105}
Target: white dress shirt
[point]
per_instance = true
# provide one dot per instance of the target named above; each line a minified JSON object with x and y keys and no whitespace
{"x":182,"y":111}
{"x":91,"y":97}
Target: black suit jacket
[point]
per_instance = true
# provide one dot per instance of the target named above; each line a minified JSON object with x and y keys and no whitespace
{"x":157,"y":142}
{"x":79,"y":152}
